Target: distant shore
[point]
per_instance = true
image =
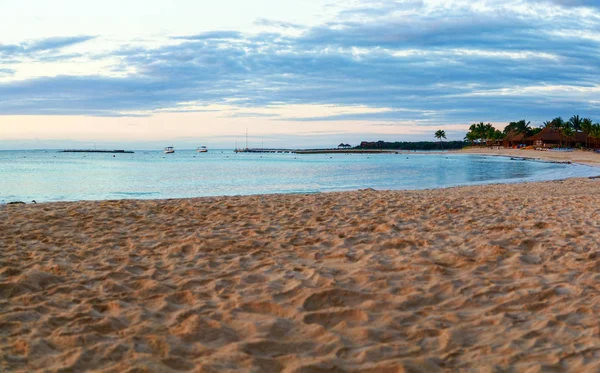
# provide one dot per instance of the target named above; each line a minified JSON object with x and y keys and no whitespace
{"x":96,"y":151}
{"x":589,"y":158}
{"x":576,"y":156}
{"x":318,"y":151}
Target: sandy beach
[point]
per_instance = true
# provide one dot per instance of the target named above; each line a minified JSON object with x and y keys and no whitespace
{"x":578,"y":156}
{"x":486,"y":278}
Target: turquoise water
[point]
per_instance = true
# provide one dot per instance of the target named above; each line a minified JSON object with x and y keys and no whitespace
{"x":51,"y":176}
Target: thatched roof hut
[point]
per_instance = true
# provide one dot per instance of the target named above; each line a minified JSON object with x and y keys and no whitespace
{"x":513,"y":139}
{"x":548,"y":135}
{"x":580,"y":137}
{"x":553,"y":136}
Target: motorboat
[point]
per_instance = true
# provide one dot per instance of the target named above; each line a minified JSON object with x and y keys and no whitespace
{"x":169,"y":150}
{"x":202,"y":149}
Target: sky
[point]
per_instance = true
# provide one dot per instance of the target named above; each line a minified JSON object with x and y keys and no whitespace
{"x":295,"y":73}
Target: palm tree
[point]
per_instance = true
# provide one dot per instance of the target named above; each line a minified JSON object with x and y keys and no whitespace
{"x":595,"y":134}
{"x":567,"y":132}
{"x":523,"y":127}
{"x":490,"y":132}
{"x":497,"y":136}
{"x":473,"y":133}
{"x":575,"y":123}
{"x":586,"y":127}
{"x":536,"y":130}
{"x":519,"y":127}
{"x":471,"y":136}
{"x":440,"y":134}
{"x":484,"y":131}
{"x":481,"y":130}
{"x":558,"y":123}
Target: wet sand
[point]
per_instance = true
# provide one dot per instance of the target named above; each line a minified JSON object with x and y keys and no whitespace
{"x":483,"y":278}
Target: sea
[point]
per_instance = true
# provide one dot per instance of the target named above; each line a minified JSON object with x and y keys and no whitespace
{"x":50,"y":175}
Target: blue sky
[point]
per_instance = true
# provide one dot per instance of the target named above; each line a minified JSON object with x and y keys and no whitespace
{"x":314,"y":73}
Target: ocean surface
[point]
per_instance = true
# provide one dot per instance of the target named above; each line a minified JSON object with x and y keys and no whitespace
{"x":47,"y":176}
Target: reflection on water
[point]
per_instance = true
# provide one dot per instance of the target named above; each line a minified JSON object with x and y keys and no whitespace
{"x":52,"y":176}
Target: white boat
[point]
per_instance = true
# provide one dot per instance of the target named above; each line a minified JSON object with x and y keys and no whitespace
{"x":169,"y":150}
{"x":202,"y":149}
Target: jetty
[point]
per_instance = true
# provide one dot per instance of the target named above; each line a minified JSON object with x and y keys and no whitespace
{"x":96,"y":151}
{"x":264,"y":150}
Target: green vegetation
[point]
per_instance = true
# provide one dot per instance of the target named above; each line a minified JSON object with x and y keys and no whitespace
{"x":486,"y":134}
{"x":483,"y":134}
{"x":568,"y":129}
{"x":595,"y":135}
{"x":409,"y":145}
{"x":521,"y":127}
{"x":587,"y":127}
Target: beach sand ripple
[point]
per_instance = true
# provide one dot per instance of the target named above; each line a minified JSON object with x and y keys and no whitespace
{"x":484,"y":279}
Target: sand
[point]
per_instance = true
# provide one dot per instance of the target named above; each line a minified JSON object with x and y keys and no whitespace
{"x":578,"y":156}
{"x":485,"y":279}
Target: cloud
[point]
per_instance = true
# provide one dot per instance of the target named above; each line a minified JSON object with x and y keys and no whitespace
{"x":6,"y":72}
{"x":212,"y":35}
{"x":278,"y":24}
{"x":429,"y":62}
{"x":55,"y":43}
{"x":576,"y":3}
{"x":42,"y":45}
{"x":371,"y":9}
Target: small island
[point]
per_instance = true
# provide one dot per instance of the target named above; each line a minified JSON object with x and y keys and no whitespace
{"x":95,"y":151}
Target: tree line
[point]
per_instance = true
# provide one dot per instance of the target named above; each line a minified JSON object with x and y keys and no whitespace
{"x":409,"y":145}
{"x":484,"y":133}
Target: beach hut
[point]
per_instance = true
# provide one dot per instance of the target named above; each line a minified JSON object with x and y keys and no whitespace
{"x":580,"y":139}
{"x":551,"y":137}
{"x":548,"y":137}
{"x":513,"y":139}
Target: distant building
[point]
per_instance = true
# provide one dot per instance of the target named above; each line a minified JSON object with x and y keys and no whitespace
{"x":371,"y":145}
{"x":513,"y":139}
{"x":550,"y":137}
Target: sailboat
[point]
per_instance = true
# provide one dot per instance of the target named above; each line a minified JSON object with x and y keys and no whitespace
{"x":243,"y":150}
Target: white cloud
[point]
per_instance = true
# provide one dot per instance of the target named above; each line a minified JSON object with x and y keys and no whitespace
{"x":295,"y":66}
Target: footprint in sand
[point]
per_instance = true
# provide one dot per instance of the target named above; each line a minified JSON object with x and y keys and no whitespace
{"x":333,"y":298}
{"x":332,"y":318}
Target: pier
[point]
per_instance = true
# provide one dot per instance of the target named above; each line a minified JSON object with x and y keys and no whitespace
{"x":264,"y":150}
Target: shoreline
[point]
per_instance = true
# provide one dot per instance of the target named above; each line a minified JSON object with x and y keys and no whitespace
{"x":576,"y":158}
{"x":348,"y":281}
{"x":588,"y":158}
